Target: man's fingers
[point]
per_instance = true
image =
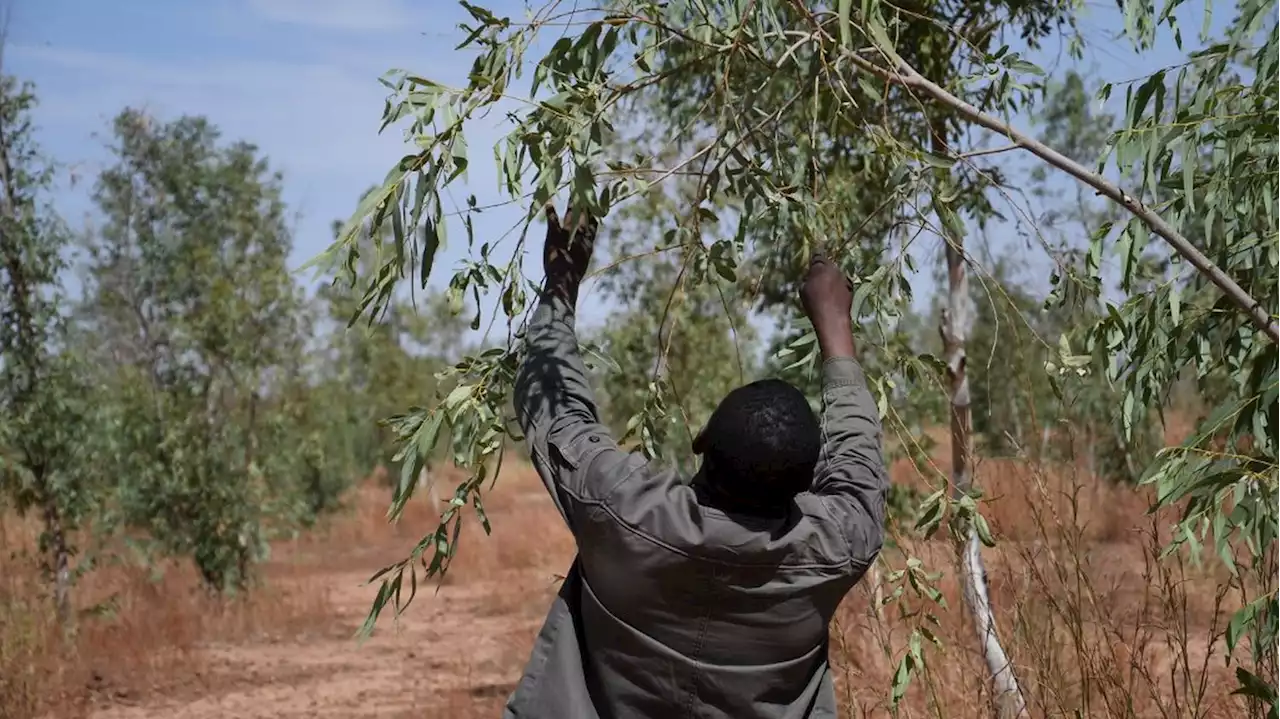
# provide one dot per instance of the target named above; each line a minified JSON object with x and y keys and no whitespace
{"x":573,"y":220}
{"x":579,"y":221}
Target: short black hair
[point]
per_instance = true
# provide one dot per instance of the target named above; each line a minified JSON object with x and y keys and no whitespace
{"x":762,"y":443}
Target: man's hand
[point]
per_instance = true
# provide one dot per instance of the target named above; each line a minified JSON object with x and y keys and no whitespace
{"x":567,"y":252}
{"x":827,"y":296}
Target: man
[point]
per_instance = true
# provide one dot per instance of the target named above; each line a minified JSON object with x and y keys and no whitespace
{"x":710,"y":598}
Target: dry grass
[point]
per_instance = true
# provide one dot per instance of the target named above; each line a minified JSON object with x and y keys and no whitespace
{"x":139,"y":632}
{"x":1093,"y":623}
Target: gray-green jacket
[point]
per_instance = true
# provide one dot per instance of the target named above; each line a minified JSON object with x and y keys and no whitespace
{"x":677,"y":610}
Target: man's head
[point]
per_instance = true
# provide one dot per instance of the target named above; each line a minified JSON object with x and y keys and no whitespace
{"x":761,"y":445}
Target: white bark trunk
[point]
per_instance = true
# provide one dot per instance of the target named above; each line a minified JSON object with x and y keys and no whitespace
{"x":877,"y":591}
{"x":427,"y":481}
{"x":59,"y":562}
{"x":957,"y":318}
{"x":1008,"y":695}
{"x":973,"y":575}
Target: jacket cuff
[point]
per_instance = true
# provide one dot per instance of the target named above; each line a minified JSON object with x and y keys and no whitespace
{"x":843,"y":372}
{"x":554,"y":307}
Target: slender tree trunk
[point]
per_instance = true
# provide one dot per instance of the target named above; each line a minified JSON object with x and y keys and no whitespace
{"x":251,"y":440}
{"x":1130,"y":466}
{"x":877,"y":591}
{"x":1018,"y":437}
{"x":428,"y":482}
{"x":247,"y":538}
{"x":59,"y":558}
{"x":957,"y":318}
{"x":1093,"y":455}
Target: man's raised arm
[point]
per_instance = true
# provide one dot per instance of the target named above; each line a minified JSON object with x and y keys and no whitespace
{"x":553,"y":400}
{"x":851,"y":477}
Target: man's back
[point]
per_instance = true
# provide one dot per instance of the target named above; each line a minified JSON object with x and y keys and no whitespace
{"x":677,"y":609}
{"x":674,"y":607}
{"x":728,"y":619}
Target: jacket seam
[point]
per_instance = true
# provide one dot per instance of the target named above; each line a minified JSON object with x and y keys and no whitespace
{"x":848,"y":543}
{"x":608,"y":508}
{"x":831,"y":514}
{"x":697,"y":659}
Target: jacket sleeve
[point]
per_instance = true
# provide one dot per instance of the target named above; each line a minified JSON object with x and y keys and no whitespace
{"x":851,"y":479}
{"x":572,"y":451}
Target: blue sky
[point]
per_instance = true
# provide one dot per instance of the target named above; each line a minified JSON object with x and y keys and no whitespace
{"x":299,"y":79}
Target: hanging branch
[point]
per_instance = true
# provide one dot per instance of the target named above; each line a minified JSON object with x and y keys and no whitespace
{"x":907,"y":76}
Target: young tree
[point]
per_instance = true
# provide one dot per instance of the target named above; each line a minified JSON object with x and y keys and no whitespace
{"x":795,"y":172}
{"x":190,"y":300}
{"x":43,"y":404}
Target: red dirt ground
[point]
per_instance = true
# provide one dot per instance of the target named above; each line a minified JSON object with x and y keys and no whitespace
{"x":1084,"y":612}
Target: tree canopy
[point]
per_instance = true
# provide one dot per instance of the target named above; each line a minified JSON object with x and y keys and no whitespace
{"x":858,"y":131}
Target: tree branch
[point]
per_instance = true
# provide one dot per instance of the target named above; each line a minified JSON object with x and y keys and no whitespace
{"x":907,"y":76}
{"x":988,"y":151}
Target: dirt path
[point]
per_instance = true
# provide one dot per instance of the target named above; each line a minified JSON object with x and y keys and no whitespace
{"x":456,"y":653}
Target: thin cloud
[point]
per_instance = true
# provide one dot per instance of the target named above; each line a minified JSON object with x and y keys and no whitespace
{"x":311,"y":118}
{"x":310,"y":103}
{"x":315,"y":120}
{"x":363,"y":16}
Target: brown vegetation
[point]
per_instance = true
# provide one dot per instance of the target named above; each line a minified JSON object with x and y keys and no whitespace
{"x":1086,"y":611}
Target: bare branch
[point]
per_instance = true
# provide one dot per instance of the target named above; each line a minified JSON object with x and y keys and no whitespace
{"x":988,"y":151}
{"x":907,"y":76}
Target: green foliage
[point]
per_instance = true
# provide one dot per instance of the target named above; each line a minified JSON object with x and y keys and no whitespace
{"x":789,"y":130}
{"x":914,"y":594}
{"x":811,"y":153}
{"x":378,"y":362}
{"x":724,"y":98}
{"x":193,"y":397}
{"x":1012,"y":402}
{"x":691,"y":347}
{"x":1034,"y":397}
{"x":44,"y":408}
{"x":191,"y":307}
{"x":683,"y":326}
{"x":1199,"y":139}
